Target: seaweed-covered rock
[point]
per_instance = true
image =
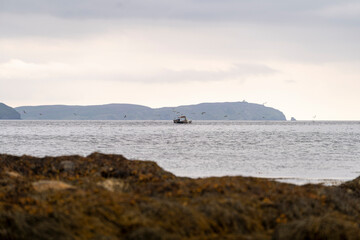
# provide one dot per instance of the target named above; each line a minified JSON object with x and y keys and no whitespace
{"x":67,"y":166}
{"x":352,"y":186}
{"x":113,"y":185}
{"x":329,"y":226}
{"x":45,"y":185}
{"x":109,"y":197}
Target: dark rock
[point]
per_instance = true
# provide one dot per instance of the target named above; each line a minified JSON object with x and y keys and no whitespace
{"x":330,"y":226}
{"x":148,"y":233}
{"x":352,"y":187}
{"x":67,"y":166}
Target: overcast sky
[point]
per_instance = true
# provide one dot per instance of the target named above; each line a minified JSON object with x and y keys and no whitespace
{"x":300,"y":56}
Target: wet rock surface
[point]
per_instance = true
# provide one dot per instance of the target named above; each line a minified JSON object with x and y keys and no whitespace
{"x":109,"y":197}
{"x":47,"y":185}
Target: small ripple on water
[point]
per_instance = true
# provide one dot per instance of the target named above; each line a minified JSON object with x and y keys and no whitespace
{"x":300,"y":150}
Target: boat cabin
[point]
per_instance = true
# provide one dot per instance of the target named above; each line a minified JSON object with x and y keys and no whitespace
{"x":182,"y":119}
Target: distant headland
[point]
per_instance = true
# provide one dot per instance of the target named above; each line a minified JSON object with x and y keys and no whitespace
{"x":7,"y":112}
{"x":203,"y":111}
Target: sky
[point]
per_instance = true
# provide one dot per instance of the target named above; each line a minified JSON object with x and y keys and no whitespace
{"x":300,"y":56}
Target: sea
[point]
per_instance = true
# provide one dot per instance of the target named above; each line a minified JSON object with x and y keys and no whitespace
{"x":299,"y":152}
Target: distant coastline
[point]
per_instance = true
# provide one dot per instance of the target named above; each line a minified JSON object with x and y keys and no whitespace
{"x":7,"y":112}
{"x":203,"y":111}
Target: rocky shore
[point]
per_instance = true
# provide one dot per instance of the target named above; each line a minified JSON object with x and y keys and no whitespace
{"x":109,"y":197}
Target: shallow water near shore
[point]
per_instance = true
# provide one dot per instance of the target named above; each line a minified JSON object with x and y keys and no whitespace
{"x":296,"y":152}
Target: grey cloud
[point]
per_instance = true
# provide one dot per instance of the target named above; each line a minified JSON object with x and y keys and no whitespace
{"x":243,"y":10}
{"x":59,"y":18}
{"x":63,"y":8}
{"x":48,"y":26}
{"x":303,"y":30}
{"x":51,"y":72}
{"x":238,"y":72}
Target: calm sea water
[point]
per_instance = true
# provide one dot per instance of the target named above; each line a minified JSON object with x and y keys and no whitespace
{"x":296,"y":152}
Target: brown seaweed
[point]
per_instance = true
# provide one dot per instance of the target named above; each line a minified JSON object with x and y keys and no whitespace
{"x":109,"y":197}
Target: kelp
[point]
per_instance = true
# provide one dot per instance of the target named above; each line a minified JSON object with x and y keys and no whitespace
{"x":109,"y":197}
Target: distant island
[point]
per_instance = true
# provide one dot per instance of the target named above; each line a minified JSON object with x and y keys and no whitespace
{"x":203,"y":111}
{"x":7,"y":112}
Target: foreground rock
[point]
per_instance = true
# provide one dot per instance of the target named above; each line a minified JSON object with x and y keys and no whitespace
{"x":46,"y":185}
{"x":110,"y":197}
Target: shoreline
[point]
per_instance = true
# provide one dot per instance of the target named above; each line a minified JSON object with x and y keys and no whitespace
{"x":283,"y":179}
{"x":104,"y":196}
{"x":304,"y":181}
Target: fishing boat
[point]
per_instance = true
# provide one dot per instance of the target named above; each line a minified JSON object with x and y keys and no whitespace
{"x":182,"y":119}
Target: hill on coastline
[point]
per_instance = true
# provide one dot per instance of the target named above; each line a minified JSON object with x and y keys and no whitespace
{"x":203,"y":111}
{"x":7,"y":112}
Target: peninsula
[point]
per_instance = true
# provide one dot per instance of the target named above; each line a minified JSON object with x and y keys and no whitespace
{"x":204,"y":111}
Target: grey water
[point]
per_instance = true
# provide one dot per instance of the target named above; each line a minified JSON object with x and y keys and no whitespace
{"x":297,"y":152}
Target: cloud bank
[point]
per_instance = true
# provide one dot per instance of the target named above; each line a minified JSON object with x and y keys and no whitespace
{"x":232,"y":49}
{"x":15,"y":70}
{"x":239,"y":10}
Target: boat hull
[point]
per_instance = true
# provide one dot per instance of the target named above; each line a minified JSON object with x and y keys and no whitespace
{"x":182,"y":122}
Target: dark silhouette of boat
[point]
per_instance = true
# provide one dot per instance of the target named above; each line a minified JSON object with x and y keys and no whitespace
{"x":182,"y":119}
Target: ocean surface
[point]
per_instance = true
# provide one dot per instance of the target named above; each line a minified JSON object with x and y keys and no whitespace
{"x":296,"y":152}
